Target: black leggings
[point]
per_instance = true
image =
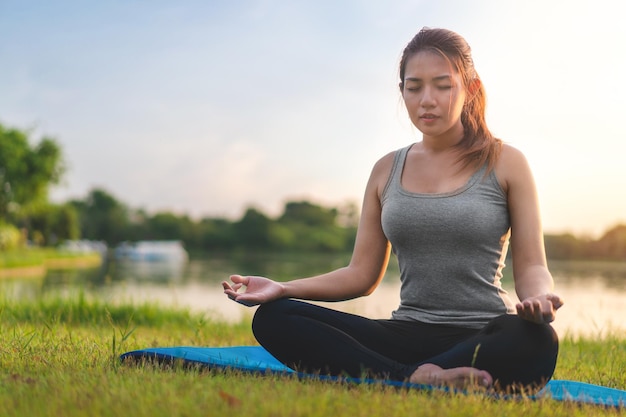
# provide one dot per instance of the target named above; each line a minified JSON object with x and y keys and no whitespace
{"x":311,"y":338}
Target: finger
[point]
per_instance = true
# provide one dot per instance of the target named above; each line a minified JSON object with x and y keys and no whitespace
{"x":228,"y":287}
{"x":528,"y":308}
{"x":524,"y":314}
{"x":557,"y":302}
{"x":544,"y":313}
{"x":529,"y":312}
{"x":231,"y":294}
{"x":538,"y":311}
{"x":230,"y":291}
{"x":550,"y":314}
{"x":548,"y":317}
{"x":238,"y":279}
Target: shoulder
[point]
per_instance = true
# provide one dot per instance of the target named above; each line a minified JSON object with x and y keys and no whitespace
{"x":384,"y":164}
{"x":510,"y":155}
{"x":512,"y":167}
{"x":380,"y":174}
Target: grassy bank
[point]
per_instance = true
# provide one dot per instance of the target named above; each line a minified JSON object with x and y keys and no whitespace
{"x":61,"y":358}
{"x":35,"y":261}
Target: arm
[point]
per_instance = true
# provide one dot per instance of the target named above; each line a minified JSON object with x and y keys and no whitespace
{"x":533,"y":282}
{"x":363,"y":274}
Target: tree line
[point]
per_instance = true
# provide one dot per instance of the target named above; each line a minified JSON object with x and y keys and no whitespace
{"x":28,"y":170}
{"x":302,"y":226}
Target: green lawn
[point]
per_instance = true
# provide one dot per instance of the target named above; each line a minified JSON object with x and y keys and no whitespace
{"x":45,"y":258}
{"x":60,"y":358}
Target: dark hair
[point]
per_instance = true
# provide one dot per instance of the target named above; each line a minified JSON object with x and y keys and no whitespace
{"x":478,"y":145}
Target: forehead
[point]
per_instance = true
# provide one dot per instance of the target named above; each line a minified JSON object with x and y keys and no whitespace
{"x":428,"y":65}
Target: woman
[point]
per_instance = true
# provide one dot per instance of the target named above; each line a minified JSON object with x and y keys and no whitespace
{"x":448,"y":207}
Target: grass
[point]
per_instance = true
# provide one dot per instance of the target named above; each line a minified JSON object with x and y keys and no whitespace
{"x":34,"y":262}
{"x":21,"y":258}
{"x":60,"y":358}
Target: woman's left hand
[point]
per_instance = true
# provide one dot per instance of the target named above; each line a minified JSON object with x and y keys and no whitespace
{"x":539,"y":309}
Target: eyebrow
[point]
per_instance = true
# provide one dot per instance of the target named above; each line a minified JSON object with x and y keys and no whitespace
{"x":438,"y":78}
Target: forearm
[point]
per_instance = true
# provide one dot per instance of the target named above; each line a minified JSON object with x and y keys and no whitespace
{"x":341,"y":284}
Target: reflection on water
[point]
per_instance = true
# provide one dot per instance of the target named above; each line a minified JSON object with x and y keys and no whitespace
{"x":151,"y":271}
{"x":595,"y":293}
{"x":611,"y":274}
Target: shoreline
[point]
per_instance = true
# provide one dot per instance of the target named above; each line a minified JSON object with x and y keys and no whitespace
{"x":40,"y":270}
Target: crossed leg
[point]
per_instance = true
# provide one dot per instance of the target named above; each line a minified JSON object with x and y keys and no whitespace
{"x":311,"y":338}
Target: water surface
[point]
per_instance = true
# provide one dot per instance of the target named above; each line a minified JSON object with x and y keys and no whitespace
{"x":595,"y":293}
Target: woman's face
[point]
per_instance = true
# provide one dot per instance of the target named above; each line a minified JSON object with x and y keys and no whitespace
{"x":434,"y":96}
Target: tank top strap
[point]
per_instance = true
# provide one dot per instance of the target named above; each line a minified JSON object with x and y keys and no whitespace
{"x":395,"y":176}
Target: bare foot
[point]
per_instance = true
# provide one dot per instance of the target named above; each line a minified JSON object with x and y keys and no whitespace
{"x":461,"y":378}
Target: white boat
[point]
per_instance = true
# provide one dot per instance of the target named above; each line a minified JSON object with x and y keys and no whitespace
{"x":152,"y":251}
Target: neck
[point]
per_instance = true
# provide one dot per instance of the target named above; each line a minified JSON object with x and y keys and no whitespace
{"x":446,"y":141}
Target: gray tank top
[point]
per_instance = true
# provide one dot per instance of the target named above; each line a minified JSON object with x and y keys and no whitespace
{"x":450,"y":248}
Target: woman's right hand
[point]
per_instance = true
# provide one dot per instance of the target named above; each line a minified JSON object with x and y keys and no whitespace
{"x":258,"y":290}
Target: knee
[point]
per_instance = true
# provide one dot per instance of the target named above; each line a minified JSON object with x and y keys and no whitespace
{"x":269,"y":316}
{"x":542,"y":336}
{"x":273,"y":308}
{"x":531,"y":351}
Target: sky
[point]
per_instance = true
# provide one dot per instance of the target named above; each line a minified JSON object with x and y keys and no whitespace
{"x":207,"y":108}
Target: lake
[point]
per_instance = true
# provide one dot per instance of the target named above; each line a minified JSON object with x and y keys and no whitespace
{"x":594,"y":292}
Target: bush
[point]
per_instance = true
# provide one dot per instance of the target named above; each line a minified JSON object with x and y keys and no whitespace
{"x":10,"y":237}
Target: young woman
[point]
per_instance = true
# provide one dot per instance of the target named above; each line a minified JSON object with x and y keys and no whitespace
{"x":447,"y":206}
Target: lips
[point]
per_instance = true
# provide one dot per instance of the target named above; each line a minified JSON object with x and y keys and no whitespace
{"x":428,"y":116}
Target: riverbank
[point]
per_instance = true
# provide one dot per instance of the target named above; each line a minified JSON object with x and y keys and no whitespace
{"x":35,"y":262}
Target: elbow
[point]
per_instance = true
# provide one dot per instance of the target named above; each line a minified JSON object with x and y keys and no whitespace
{"x":368,"y":291}
{"x":372,"y":285}
{"x":367,"y":274}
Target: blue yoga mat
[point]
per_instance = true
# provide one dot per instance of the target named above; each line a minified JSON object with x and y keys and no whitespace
{"x":256,"y":359}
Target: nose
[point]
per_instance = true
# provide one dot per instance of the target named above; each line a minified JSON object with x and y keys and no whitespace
{"x":427,"y":100}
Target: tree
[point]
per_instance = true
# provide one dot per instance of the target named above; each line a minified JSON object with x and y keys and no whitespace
{"x":26,"y":171}
{"x":54,"y":223}
{"x":612,"y":245}
{"x":565,"y":246}
{"x":216,"y":234}
{"x":102,"y":217}
{"x":253,"y":230}
{"x":166,"y":225}
{"x":304,"y":212}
